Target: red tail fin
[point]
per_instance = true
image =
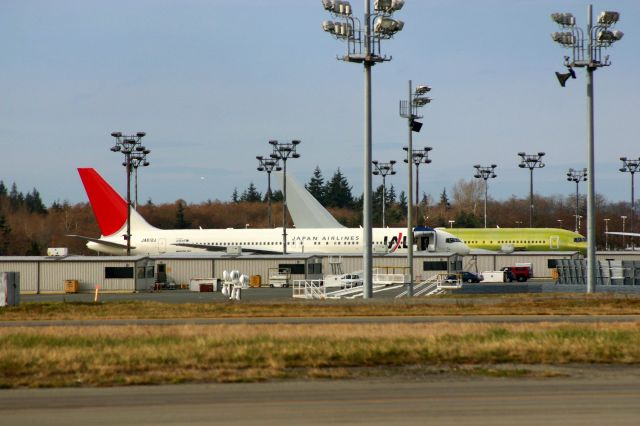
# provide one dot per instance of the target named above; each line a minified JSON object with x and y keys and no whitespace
{"x":108,"y":206}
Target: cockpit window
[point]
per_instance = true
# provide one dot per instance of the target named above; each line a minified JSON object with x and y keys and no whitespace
{"x":453,"y":240}
{"x":580,"y":240}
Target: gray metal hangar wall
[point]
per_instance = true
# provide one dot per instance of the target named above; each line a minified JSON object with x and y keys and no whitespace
{"x":424,"y":265}
{"x":540,"y":261}
{"x":181,"y":268}
{"x":44,"y":274}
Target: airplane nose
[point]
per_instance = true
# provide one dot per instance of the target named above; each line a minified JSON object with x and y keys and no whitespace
{"x":463,"y":250}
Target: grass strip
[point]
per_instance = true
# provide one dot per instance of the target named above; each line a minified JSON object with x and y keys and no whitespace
{"x":599,"y":304}
{"x":111,"y":355}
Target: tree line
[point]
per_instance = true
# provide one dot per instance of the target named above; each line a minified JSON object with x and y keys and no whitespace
{"x":28,"y":227}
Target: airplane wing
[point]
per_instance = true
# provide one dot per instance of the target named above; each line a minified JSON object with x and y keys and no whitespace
{"x":209,"y":247}
{"x":626,"y":234}
{"x":99,"y":241}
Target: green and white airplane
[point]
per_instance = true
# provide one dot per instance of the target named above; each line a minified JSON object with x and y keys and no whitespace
{"x":508,"y":240}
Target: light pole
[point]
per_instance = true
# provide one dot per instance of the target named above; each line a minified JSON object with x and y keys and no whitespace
{"x":606,"y":234}
{"x":268,"y":165}
{"x":283,"y":151}
{"x":624,"y":218}
{"x":409,"y":110}
{"x":419,"y":156}
{"x":384,"y":169}
{"x":631,"y":166}
{"x":485,"y":172}
{"x":138,"y":159}
{"x":131,"y":146}
{"x":577,"y":176}
{"x":518,"y":223}
{"x":364,"y":41}
{"x":451,"y":222}
{"x":531,"y":161}
{"x":559,"y":222}
{"x":586,"y":51}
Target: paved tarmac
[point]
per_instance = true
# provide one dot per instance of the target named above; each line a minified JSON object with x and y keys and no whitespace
{"x":605,"y":398}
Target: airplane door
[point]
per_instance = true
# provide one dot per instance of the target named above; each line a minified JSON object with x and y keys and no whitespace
{"x":425,"y":239}
{"x":162,"y":245}
{"x":554,"y":242}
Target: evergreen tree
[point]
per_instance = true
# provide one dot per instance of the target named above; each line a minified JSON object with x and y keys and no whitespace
{"x":338,"y":192}
{"x":444,"y":199}
{"x":234,"y":197}
{"x":251,"y":195}
{"x":34,"y":203}
{"x":377,"y":205}
{"x":5,"y":232}
{"x":391,"y":195}
{"x":3,"y":194}
{"x":16,"y":199}
{"x":276,"y":196}
{"x":402,"y":202}
{"x":34,"y":249}
{"x":316,"y":185}
{"x":181,"y":221}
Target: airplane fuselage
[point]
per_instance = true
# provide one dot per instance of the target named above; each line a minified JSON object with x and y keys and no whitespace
{"x":338,"y":240}
{"x":521,"y":239}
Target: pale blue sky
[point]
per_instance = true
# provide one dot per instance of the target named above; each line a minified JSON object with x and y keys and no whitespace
{"x":212,"y":81}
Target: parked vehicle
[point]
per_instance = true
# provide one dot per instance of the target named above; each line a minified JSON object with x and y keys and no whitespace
{"x":467,"y":277}
{"x":520,"y":273}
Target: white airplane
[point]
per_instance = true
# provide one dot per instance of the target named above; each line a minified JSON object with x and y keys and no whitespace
{"x":110,"y":210}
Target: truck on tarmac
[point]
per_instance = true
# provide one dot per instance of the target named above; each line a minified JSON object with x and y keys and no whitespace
{"x":519,"y":273}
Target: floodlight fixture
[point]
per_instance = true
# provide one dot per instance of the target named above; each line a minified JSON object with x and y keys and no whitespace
{"x":564,"y":38}
{"x":587,"y":52}
{"x":387,"y":27}
{"x":631,"y":166}
{"x":363,"y":39}
{"x":135,"y":155}
{"x":283,"y":151}
{"x":387,"y":6}
{"x":418,"y":157}
{"x":268,"y":165}
{"x":608,"y":17}
{"x":531,"y":161}
{"x":485,"y":173}
{"x":409,"y":110}
{"x":421,"y":101}
{"x":607,"y":37}
{"x":384,"y":170}
{"x":577,"y":176}
{"x":564,"y":19}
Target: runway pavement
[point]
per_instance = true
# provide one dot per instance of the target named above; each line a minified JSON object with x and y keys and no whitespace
{"x":604,"y":398}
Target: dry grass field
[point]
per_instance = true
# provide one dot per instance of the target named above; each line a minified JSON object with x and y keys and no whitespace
{"x":522,"y":304}
{"x":122,"y":355}
{"x":108,"y":355}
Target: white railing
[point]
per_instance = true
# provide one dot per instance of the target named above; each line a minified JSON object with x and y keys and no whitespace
{"x":437,"y":284}
{"x":309,"y":289}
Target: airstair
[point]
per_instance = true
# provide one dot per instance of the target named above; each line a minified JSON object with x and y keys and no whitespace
{"x":315,"y":289}
{"x":437,"y":284}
